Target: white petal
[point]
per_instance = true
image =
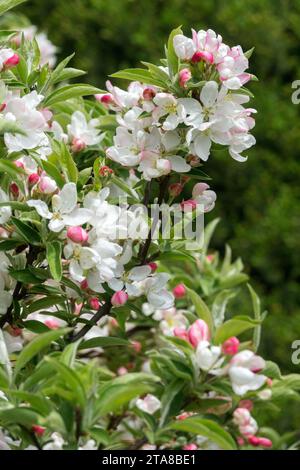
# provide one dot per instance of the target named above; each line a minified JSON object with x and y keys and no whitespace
{"x":76,"y":271}
{"x":139,"y":273}
{"x":88,"y":258}
{"x":77,"y":217}
{"x":179,"y":164}
{"x":209,"y":94}
{"x":202,"y":146}
{"x":41,"y":208}
{"x":68,"y":198}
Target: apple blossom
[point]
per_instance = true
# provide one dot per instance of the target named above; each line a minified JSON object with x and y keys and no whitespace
{"x":8,"y":58}
{"x":82,"y":132}
{"x":243,"y":372}
{"x":65,"y":211}
{"x":150,"y":404}
{"x":198,"y":332}
{"x":119,"y":298}
{"x":208,"y":357}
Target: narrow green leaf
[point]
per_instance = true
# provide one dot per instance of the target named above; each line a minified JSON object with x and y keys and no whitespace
{"x":104,"y":341}
{"x":29,"y":234}
{"x":234,"y":327}
{"x":257,"y":315}
{"x":6,"y":5}
{"x":206,"y":428}
{"x":67,"y":92}
{"x":173,"y":60}
{"x":53,"y":251}
{"x":36,"y":345}
{"x":141,"y":75}
{"x":201,"y":308}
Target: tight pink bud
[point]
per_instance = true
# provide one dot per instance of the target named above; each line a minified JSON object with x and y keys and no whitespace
{"x":77,"y":145}
{"x":38,"y":430}
{"x":189,"y":204}
{"x":84,"y":284}
{"x":119,"y":298}
{"x":122,"y":371}
{"x":94,"y":303}
{"x":181,"y":333}
{"x":179,"y":291}
{"x":33,"y":179}
{"x":247,"y":404}
{"x":47,"y":185}
{"x":254,"y":441}
{"x":12,"y":61}
{"x":18,"y":163}
{"x":52,"y":323}
{"x":2,"y":107}
{"x":175,"y":189}
{"x":77,"y":234}
{"x":184,"y":76}
{"x":148,"y":94}
{"x":14,"y":189}
{"x":240,"y":441}
{"x":153,"y":266}
{"x":105,"y":99}
{"x":203,"y":55}
{"x":230,"y":346}
{"x":265,"y":442}
{"x":199,"y":331}
{"x":137,"y":346}
{"x":190,"y":447}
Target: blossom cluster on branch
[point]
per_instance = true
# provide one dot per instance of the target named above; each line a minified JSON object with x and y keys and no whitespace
{"x":109,"y":338}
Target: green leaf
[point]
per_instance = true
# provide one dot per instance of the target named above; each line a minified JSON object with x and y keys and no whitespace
{"x":54,"y":172}
{"x":4,"y":357}
{"x":234,"y":327}
{"x":173,"y":60}
{"x":6,"y":166}
{"x":35,"y":326}
{"x":15,"y":205}
{"x":53,"y":252}
{"x":36,"y":345}
{"x":29,"y":234}
{"x":68,"y":73}
{"x":104,"y":341}
{"x":24,"y":275}
{"x":249,"y":53}
{"x":206,"y":428}
{"x":141,"y":75}
{"x":8,"y":245}
{"x":122,"y":185}
{"x":233,"y":281}
{"x":201,"y":308}
{"x":68,"y":163}
{"x":271,"y":370}
{"x":38,"y":402}
{"x":6,"y":5}
{"x":44,"y":303}
{"x":67,"y":92}
{"x":19,"y":415}
{"x":219,"y":305}
{"x":208,"y":233}
{"x":257,"y":315}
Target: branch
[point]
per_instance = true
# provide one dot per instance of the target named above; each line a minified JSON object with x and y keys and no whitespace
{"x":102,"y":312}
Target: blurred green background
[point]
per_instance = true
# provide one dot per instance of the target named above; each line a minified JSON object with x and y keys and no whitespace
{"x":259,"y":201}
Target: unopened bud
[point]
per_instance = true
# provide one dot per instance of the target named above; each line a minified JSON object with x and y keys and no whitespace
{"x":203,"y":55}
{"x":77,"y":145}
{"x":148,"y":94}
{"x":12,"y":61}
{"x":94,"y":303}
{"x":119,"y":298}
{"x":77,"y":234}
{"x":33,"y":179}
{"x":179,"y":291}
{"x":184,"y":76}
{"x":175,"y":189}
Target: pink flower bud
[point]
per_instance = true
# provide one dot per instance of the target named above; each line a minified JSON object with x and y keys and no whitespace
{"x":84,"y":284}
{"x":153,"y":266}
{"x":199,"y":188}
{"x":119,"y":298}
{"x":77,"y":234}
{"x":247,"y":404}
{"x":197,"y":332}
{"x":47,"y":185}
{"x":77,"y":145}
{"x":137,"y":346}
{"x":33,"y":179}
{"x":2,"y":107}
{"x":52,"y":323}
{"x":179,"y":291}
{"x":175,"y":189}
{"x":190,"y":447}
{"x":240,"y":441}
{"x":12,"y":61}
{"x":94,"y":303}
{"x":14,"y":189}
{"x":3,"y":233}
{"x":184,"y":415}
{"x":230,"y":346}
{"x":148,"y":94}
{"x":203,"y":55}
{"x":181,"y":333}
{"x":77,"y":309}
{"x":38,"y":430}
{"x":269,"y":382}
{"x":105,"y":99}
{"x":265,"y":442}
{"x":122,"y":371}
{"x":188,"y":205}
{"x":19,"y":164}
{"x":209,"y":258}
{"x":184,"y":76}
{"x":254,"y":441}
{"x":105,"y":171}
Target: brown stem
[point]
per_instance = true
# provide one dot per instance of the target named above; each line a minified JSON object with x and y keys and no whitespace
{"x":103,"y":310}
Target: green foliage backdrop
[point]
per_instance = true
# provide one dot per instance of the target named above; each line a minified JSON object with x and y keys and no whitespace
{"x":260,"y":199}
